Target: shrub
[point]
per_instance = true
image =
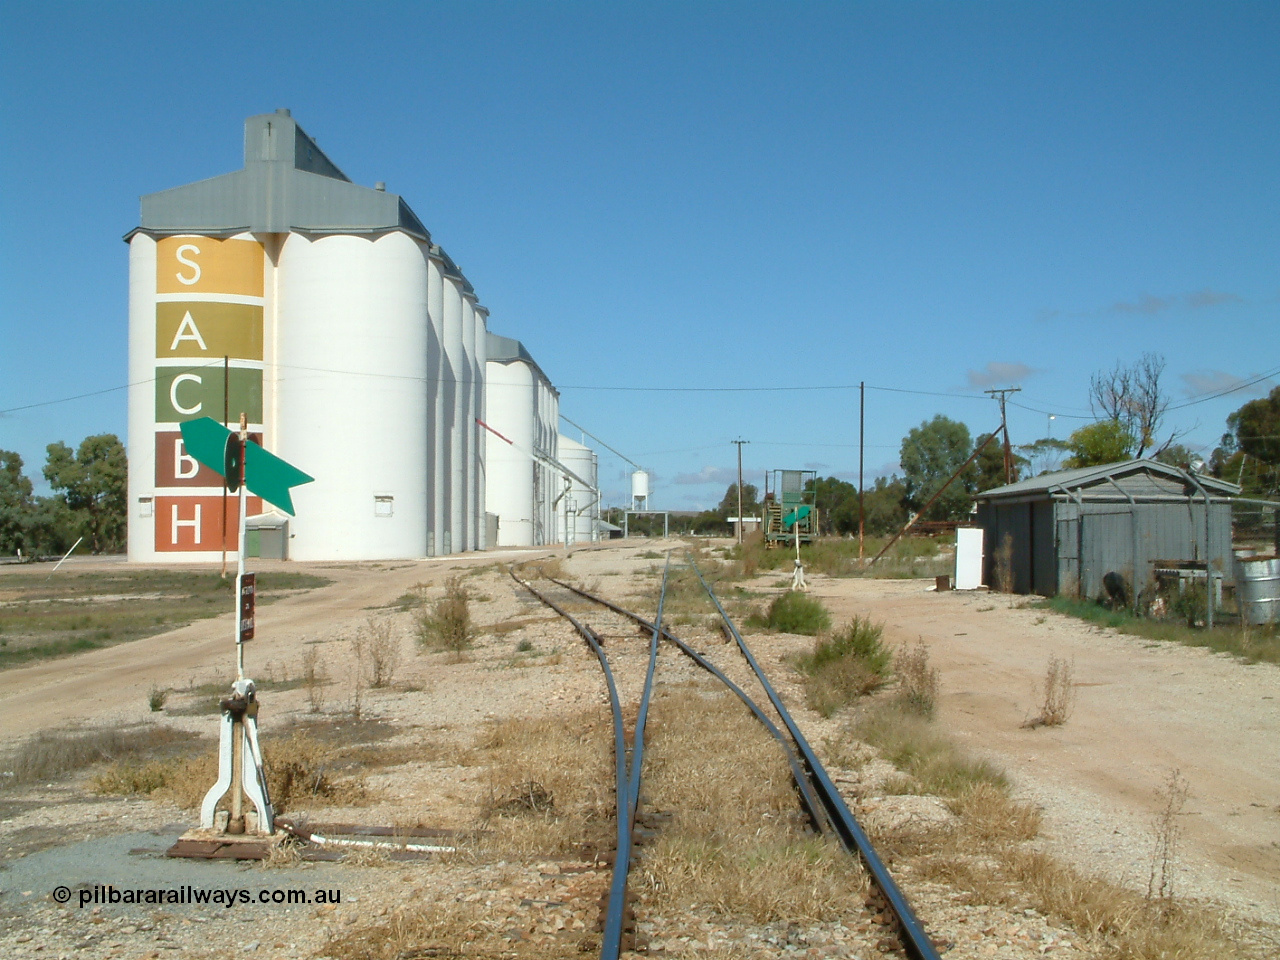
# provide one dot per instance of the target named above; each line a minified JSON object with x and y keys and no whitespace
{"x":157,"y":698}
{"x":795,"y":612}
{"x":446,"y":623}
{"x":844,"y":666}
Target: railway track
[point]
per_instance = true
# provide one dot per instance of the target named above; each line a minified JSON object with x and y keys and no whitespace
{"x":629,"y":703}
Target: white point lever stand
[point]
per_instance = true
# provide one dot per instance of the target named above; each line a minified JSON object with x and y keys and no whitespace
{"x":239,"y":768}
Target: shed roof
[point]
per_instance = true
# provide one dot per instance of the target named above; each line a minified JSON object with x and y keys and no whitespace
{"x":288,"y":183}
{"x":1144,"y":480}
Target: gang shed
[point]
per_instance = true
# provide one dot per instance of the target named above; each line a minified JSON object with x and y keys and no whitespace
{"x":1063,"y":532}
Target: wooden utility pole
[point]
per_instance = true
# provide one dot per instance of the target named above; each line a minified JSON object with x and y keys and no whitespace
{"x":862,"y":408}
{"x":1004,"y":427}
{"x":740,"y":442}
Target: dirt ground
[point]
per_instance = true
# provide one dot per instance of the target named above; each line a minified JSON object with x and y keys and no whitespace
{"x":1143,"y":710}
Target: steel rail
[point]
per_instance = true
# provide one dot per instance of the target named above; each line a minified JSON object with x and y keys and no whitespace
{"x":915,"y":940}
{"x":611,"y":941}
{"x":808,"y":797}
{"x":622,"y":861}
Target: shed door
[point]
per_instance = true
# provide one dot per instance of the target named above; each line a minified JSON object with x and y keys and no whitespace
{"x":1106,"y":546}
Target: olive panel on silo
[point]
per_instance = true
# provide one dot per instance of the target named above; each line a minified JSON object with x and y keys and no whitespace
{"x":209,"y":265}
{"x":195,"y":328}
{"x":186,"y":392}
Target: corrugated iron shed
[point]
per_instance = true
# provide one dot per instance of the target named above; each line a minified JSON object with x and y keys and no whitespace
{"x":1064,"y":532}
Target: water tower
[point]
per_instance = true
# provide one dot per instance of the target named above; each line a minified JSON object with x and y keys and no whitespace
{"x":639,"y":490}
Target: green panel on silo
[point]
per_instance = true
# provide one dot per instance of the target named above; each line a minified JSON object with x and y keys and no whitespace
{"x":186,"y":392}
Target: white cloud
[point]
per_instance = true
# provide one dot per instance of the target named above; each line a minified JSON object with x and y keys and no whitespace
{"x":999,"y":373}
{"x":1211,"y":298}
{"x":709,"y":475}
{"x":1202,"y":382}
{"x":1146,"y":305}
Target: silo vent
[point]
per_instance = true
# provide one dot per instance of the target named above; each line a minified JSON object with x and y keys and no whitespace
{"x":284,"y":111}
{"x":381,"y":185}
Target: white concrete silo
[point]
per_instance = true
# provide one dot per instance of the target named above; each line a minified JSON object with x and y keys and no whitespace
{"x":352,"y":329}
{"x":479,"y":367}
{"x":438,"y":386}
{"x":453,"y":384}
{"x":142,"y":425}
{"x":467,"y":422}
{"x":511,"y":409}
{"x":582,"y":505}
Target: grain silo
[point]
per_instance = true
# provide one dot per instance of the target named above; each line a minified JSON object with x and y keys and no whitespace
{"x":581,"y":506}
{"x":323,"y":311}
{"x":523,"y":410}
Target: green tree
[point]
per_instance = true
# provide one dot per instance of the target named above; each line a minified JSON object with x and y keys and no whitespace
{"x":837,"y":503}
{"x":930,"y":454}
{"x":1044,"y":455}
{"x":990,"y":464}
{"x":750,"y":502}
{"x":885,"y":506}
{"x":1250,"y":451}
{"x":94,"y":485}
{"x":1107,"y":441}
{"x":16,"y":505}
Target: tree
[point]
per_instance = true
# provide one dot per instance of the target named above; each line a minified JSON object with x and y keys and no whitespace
{"x":1250,"y":451}
{"x":94,"y":482}
{"x":15,"y":505}
{"x":930,"y":454}
{"x":837,"y":503}
{"x":1133,"y":396}
{"x":750,"y":502}
{"x":885,"y":506}
{"x":1107,"y":441}
{"x":990,"y":464}
{"x":1044,"y":455}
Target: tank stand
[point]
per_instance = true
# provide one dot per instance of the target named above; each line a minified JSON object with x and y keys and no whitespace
{"x":239,"y":770}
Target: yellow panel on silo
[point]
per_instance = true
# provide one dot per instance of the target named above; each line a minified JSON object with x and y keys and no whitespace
{"x":193,"y":328}
{"x":209,"y":265}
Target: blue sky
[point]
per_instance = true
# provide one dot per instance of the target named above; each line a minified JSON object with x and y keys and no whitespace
{"x":931,"y":198}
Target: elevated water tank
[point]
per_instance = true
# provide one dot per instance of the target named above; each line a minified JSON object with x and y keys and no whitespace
{"x":640,"y":487}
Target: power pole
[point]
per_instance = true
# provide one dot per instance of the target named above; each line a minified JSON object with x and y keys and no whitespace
{"x":740,"y":442}
{"x":862,"y":407}
{"x":1004,"y":427}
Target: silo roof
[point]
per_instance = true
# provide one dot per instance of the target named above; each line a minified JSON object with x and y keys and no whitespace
{"x":288,"y":183}
{"x":506,"y":350}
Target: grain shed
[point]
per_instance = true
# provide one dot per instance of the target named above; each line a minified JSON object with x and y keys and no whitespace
{"x":1064,"y":532}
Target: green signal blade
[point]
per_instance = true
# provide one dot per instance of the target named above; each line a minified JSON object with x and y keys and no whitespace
{"x":206,"y":440}
{"x":264,"y":473}
{"x":799,"y":513}
{"x":270,"y":477}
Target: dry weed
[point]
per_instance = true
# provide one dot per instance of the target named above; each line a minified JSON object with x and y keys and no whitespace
{"x":1057,"y":695}
{"x":1167,"y":832}
{"x":313,"y":677}
{"x":917,"y":681}
{"x":382,"y":649}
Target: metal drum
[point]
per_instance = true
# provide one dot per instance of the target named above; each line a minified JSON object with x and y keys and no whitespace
{"x":1258,"y":589}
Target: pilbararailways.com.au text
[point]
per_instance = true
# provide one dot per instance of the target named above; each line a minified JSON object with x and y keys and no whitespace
{"x":108,"y":895}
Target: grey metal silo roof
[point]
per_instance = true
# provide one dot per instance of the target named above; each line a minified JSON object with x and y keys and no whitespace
{"x":288,"y":183}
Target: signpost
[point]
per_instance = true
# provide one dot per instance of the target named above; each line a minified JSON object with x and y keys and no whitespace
{"x":246,"y":466}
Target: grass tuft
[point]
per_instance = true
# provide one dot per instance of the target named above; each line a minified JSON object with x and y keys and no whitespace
{"x":844,"y":666}
{"x":796,"y":612}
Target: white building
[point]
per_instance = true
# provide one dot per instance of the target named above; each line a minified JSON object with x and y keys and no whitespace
{"x":354,"y":345}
